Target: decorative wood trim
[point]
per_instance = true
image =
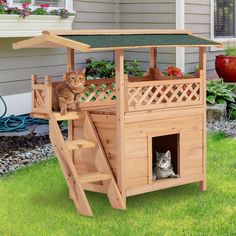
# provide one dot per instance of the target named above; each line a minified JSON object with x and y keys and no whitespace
{"x":164,"y":82}
{"x":50,"y":40}
{"x":63,"y":42}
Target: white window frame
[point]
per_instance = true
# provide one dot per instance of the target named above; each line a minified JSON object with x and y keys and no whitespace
{"x":180,"y":25}
{"x":221,"y":40}
{"x":68,"y":5}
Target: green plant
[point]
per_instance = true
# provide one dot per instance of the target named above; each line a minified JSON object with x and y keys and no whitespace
{"x":42,"y":10}
{"x":106,"y":69}
{"x":3,"y":7}
{"x":219,"y":92}
{"x":230,"y":49}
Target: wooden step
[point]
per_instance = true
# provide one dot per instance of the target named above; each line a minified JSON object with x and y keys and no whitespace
{"x":71,"y":115}
{"x":93,"y":177}
{"x":80,"y":143}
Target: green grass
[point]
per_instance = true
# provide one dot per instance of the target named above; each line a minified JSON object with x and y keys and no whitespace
{"x":34,"y":201}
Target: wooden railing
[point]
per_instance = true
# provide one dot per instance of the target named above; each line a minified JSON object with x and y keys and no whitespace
{"x":98,"y":93}
{"x":41,"y":95}
{"x":164,"y":93}
{"x":141,"y":93}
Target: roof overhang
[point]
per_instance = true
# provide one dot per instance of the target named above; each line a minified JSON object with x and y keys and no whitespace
{"x":101,"y":40}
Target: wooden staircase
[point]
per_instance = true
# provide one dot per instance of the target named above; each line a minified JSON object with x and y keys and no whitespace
{"x":64,"y":152}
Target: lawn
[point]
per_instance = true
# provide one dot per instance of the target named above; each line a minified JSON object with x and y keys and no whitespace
{"x":34,"y":201}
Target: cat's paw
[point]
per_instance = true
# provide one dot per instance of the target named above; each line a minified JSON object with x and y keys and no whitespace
{"x":176,"y":176}
{"x":154,"y":178}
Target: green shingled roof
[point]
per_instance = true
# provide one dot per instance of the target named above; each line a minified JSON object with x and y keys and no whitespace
{"x":133,"y":40}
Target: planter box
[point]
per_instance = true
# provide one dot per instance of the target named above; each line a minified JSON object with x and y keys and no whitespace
{"x":15,"y":26}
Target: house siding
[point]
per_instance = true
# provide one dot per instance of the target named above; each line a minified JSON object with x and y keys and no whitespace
{"x":17,"y":66}
{"x":198,"y":20}
{"x":139,"y":14}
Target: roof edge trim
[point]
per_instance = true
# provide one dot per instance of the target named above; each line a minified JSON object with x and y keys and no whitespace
{"x":113,"y":32}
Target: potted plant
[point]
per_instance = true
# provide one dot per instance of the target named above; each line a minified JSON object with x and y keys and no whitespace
{"x":226,"y":64}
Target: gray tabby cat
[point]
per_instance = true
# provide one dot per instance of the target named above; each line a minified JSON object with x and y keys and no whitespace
{"x":163,"y":167}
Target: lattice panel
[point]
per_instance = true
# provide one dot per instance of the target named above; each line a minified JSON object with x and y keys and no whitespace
{"x":99,"y":93}
{"x":39,"y":98}
{"x":163,"y":94}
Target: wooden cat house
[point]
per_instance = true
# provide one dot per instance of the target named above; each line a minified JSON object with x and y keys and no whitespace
{"x":122,"y":121}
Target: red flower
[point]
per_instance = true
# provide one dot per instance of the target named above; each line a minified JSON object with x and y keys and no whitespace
{"x":25,"y":5}
{"x":44,"y":5}
{"x":173,"y":71}
{"x":3,"y":2}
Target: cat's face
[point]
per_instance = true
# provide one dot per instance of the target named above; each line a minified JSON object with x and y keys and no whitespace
{"x":163,"y":160}
{"x":75,"y":79}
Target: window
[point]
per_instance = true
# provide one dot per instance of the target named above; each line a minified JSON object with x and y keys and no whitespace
{"x":224,"y":18}
{"x":36,"y":3}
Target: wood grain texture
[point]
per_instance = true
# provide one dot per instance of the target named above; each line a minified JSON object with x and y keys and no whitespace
{"x":120,"y":109}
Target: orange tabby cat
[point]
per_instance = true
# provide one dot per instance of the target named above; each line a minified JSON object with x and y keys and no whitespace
{"x":66,"y":94}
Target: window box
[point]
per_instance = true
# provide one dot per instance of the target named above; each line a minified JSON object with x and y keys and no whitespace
{"x":15,"y":26}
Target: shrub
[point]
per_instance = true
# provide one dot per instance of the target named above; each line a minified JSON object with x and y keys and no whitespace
{"x":230,"y":49}
{"x":219,"y":92}
{"x":106,"y":69}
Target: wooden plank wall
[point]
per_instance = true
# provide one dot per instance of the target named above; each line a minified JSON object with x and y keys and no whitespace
{"x":106,"y":128}
{"x":186,"y":122}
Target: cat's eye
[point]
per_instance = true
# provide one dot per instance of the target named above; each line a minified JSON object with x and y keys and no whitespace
{"x":163,"y":161}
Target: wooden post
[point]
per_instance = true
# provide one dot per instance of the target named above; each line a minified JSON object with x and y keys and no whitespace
{"x":153,"y":57}
{"x":126,"y":81}
{"x":70,"y":67}
{"x":34,"y":79}
{"x":70,"y":59}
{"x":120,"y":113}
{"x":153,"y":62}
{"x":48,"y":90}
{"x":202,"y":67}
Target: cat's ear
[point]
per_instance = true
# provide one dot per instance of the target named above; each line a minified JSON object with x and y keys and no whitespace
{"x":66,"y":76}
{"x":83,"y":71}
{"x":157,"y":154}
{"x":168,"y":154}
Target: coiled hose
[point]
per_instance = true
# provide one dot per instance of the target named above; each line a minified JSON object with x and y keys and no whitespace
{"x":18,"y":123}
